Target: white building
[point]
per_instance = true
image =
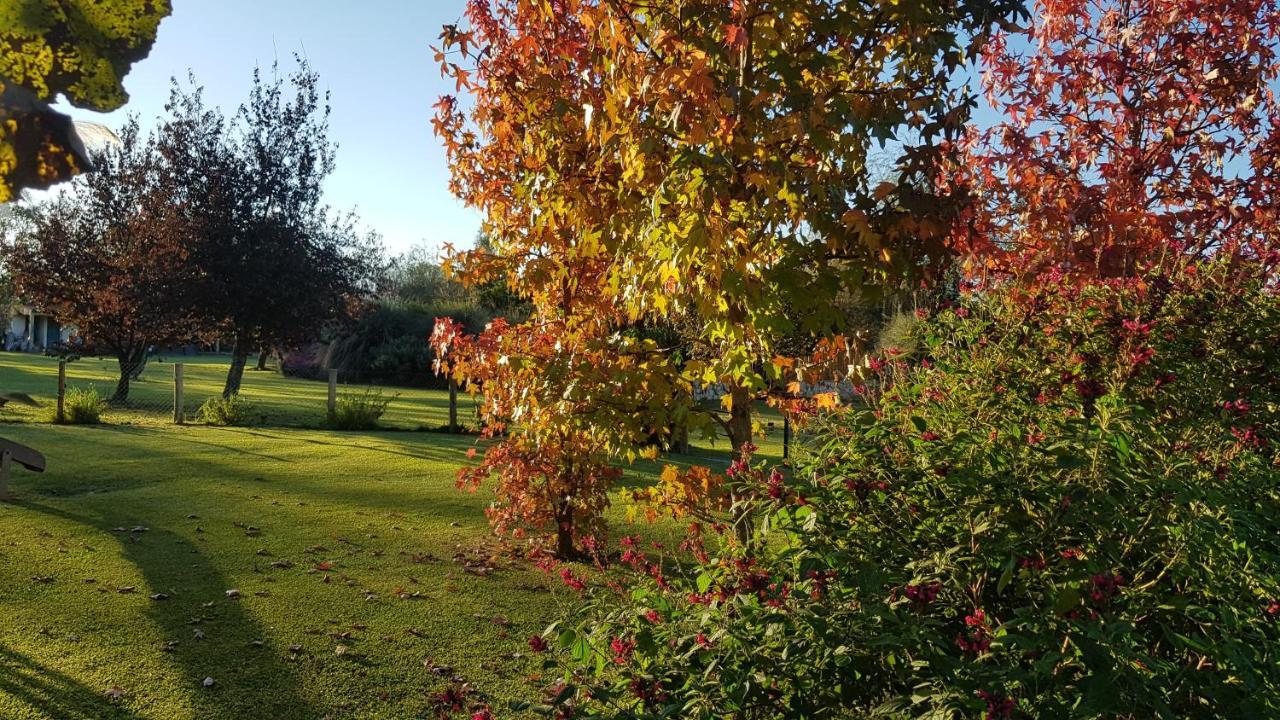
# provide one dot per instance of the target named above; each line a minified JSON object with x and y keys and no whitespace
{"x":30,"y":330}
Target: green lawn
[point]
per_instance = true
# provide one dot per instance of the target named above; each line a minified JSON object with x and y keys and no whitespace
{"x":279,"y":401}
{"x":332,"y":540}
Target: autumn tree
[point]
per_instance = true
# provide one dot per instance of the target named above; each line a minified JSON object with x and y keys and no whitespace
{"x":1129,"y":132}
{"x":111,"y":257}
{"x":712,"y":156}
{"x":276,"y":264}
{"x":77,"y":49}
{"x":561,"y":398}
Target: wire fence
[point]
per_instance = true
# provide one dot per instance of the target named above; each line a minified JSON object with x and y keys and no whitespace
{"x":169,"y":389}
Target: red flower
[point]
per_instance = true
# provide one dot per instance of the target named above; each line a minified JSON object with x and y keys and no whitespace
{"x":537,"y":644}
{"x":622,"y":650}
{"x":923,"y":594}
{"x":776,"y":489}
{"x":977,"y":637}
{"x":928,"y":436}
{"x":482,"y":714}
{"x":566,"y":575}
{"x":998,"y":706}
{"x":653,"y":616}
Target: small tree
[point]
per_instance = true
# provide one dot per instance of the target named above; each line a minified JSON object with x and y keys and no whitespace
{"x":276,"y":265}
{"x":111,"y":257}
{"x":561,"y":402}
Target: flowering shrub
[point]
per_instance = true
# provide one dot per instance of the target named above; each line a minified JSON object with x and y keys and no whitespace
{"x":1068,"y":505}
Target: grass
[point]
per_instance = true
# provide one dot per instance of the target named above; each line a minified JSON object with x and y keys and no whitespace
{"x":331,"y":539}
{"x":280,"y":401}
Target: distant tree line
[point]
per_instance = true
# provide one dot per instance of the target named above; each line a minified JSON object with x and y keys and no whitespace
{"x":388,"y":343}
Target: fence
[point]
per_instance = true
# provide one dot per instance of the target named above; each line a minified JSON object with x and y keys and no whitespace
{"x":172,"y":389}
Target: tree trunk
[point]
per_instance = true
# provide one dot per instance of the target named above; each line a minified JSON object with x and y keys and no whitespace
{"x":739,"y":436}
{"x":122,"y":385}
{"x":564,"y":531}
{"x":129,"y":362}
{"x":239,"y":358}
{"x":140,"y":363}
{"x":739,"y":418}
{"x":263,"y":354}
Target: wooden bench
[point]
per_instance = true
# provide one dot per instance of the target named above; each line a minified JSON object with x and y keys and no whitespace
{"x":11,"y":452}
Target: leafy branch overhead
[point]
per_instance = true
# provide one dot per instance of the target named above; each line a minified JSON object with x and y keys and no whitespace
{"x":77,"y":49}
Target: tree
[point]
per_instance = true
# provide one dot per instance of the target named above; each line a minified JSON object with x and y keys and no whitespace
{"x":277,"y":265}
{"x":557,"y":401}
{"x":111,"y":257}
{"x":1132,"y":132}
{"x":711,"y":156}
{"x":417,"y":277}
{"x":78,"y":49}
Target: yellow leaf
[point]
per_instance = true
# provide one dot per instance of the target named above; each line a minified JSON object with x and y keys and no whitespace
{"x":827,"y":401}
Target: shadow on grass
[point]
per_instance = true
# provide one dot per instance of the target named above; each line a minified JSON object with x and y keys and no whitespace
{"x":54,"y":693}
{"x":252,"y":680}
{"x":137,"y":430}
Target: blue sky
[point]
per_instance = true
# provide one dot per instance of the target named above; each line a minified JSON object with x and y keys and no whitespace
{"x":375,"y":59}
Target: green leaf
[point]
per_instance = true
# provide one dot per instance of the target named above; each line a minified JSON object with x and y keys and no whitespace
{"x":703,"y":582}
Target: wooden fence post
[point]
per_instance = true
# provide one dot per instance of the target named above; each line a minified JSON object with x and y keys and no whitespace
{"x":786,"y":436}
{"x":179,"y":411}
{"x":61,"y":417}
{"x":333,"y":393}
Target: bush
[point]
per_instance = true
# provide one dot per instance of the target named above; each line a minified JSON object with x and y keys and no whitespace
{"x":359,"y":411}
{"x":232,"y":411}
{"x":899,"y":332}
{"x":1069,"y":508}
{"x":388,"y":344}
{"x":82,"y":406}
